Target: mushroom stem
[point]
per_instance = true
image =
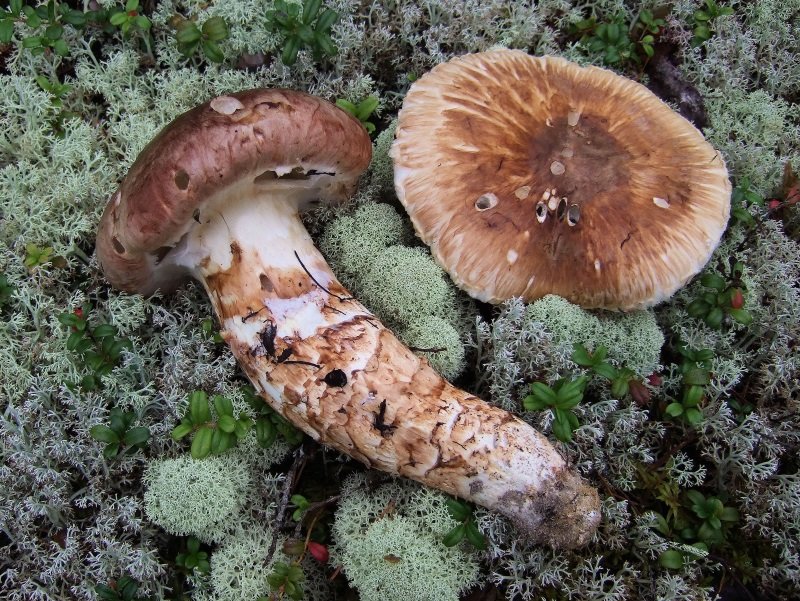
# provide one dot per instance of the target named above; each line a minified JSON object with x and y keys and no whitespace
{"x":323,"y":361}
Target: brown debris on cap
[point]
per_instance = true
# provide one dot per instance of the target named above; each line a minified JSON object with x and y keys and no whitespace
{"x":284,"y":140}
{"x":531,"y":176}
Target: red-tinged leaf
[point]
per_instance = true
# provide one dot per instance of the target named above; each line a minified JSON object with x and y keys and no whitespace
{"x":737,"y":299}
{"x":639,"y":392}
{"x":654,"y":380}
{"x":318,"y":551}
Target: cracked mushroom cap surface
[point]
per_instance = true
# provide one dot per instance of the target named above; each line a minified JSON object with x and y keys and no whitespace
{"x":530,"y":176}
{"x":261,"y":142}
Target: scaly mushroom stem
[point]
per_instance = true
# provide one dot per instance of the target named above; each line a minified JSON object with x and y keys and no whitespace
{"x":331,"y":368}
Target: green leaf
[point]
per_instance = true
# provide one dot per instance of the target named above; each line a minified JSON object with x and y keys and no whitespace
{"x":561,"y":427}
{"x":15,"y":6}
{"x":698,"y":308}
{"x":104,"y":330}
{"x":33,"y":20}
{"x":671,"y":559}
{"x":242,"y":427}
{"x":366,"y":107}
{"x":103,"y":433}
{"x":290,"y":50}
{"x":567,"y":389}
{"x":346,"y":105}
{"x":581,"y":355}
{"x":212,"y":51}
{"x":532,"y":403}
{"x":187,"y":32}
{"x":306,"y":34}
{"x":300,"y":501}
{"x":325,"y":44}
{"x":742,"y":316}
{"x":619,"y":388}
{"x":692,"y":396}
{"x":674,"y":409}
{"x":6,"y":31}
{"x":226,"y":423}
{"x":266,"y":433}
{"x":696,"y":497}
{"x":188,"y":50}
{"x":131,"y":5}
{"x":544,"y":392}
{"x":215,"y":29}
{"x":223,"y":405}
{"x":696,"y":376}
{"x":136,"y":436}
{"x":605,"y":370}
{"x":142,"y":22}
{"x":715,"y":317}
{"x":712,"y":280}
{"x":111,"y":450}
{"x":74,"y":340}
{"x":729,"y":514}
{"x":32,"y":42}
{"x":118,"y":19}
{"x":54,"y":32}
{"x":459,"y":511}
{"x":455,"y":536}
{"x":311,"y":10}
{"x":221,"y":441}
{"x":201,"y":445}
{"x":199,"y":411}
{"x":181,"y":430}
{"x":75,"y":18}
{"x":693,"y":416}
{"x":326,"y":20}
{"x":701,"y":15}
{"x":475,"y":537}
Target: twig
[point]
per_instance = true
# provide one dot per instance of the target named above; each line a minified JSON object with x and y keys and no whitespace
{"x":280,"y":511}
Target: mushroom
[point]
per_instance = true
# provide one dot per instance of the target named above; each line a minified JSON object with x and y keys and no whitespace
{"x":216,"y":196}
{"x":600,"y":192}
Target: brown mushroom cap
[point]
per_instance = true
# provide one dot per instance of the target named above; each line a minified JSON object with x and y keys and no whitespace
{"x":531,"y":176}
{"x":258,"y":142}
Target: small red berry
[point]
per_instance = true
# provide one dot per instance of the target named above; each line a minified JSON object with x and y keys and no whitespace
{"x":737,"y":299}
{"x":78,"y":312}
{"x":773,"y":204}
{"x":318,"y":551}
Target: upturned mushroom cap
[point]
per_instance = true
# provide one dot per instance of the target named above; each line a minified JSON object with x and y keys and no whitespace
{"x":531,"y":176}
{"x":268,"y":141}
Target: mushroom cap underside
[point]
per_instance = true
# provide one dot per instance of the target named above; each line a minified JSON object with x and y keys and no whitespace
{"x":530,"y":176}
{"x":258,"y":142}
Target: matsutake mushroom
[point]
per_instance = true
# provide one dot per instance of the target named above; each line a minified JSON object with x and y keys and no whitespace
{"x":530,"y":176}
{"x":216,"y":196}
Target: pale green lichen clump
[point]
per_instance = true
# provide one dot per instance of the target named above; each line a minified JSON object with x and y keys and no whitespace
{"x":390,"y":544}
{"x":353,"y":242}
{"x":632,"y":339}
{"x":190,"y":496}
{"x":439,"y":342}
{"x":404,"y":285}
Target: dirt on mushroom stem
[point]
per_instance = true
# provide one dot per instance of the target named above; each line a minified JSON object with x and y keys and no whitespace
{"x":290,"y":324}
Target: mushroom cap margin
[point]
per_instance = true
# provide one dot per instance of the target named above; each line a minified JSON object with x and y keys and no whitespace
{"x":210,"y":149}
{"x":483,"y":137}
